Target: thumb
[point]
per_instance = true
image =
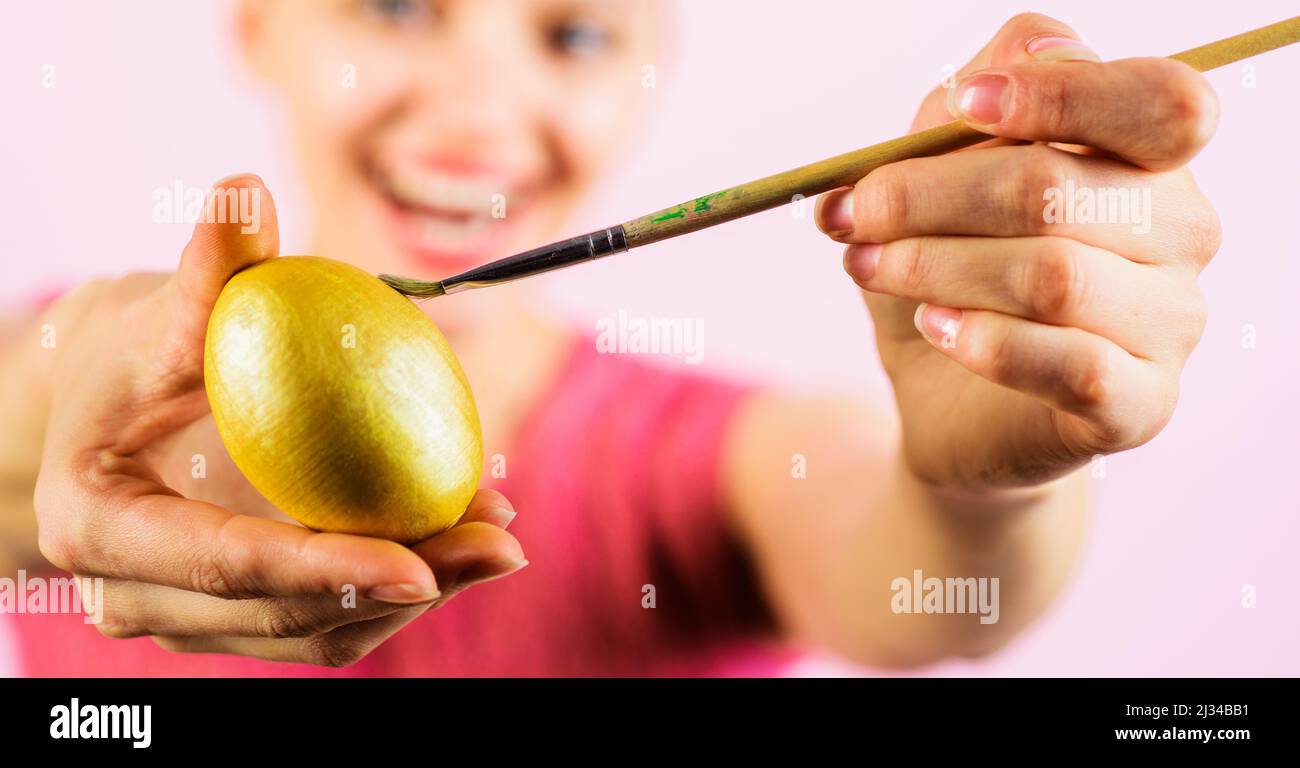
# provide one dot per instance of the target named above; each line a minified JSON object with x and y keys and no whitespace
{"x":238,"y":229}
{"x":1026,"y":37}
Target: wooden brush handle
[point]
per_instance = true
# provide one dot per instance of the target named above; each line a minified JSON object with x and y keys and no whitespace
{"x":805,"y":182}
{"x":845,"y":170}
{"x":1243,"y":46}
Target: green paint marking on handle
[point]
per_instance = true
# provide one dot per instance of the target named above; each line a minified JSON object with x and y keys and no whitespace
{"x":702,"y":203}
{"x":680,"y":213}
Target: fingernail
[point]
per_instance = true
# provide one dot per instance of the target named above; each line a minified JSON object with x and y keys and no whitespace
{"x":489,"y":570}
{"x":837,"y":214}
{"x":402,"y":594}
{"x":980,"y":98}
{"x":500,"y":517}
{"x":1058,"y":48}
{"x":860,"y":261}
{"x":939,"y":325}
{"x":224,"y":181}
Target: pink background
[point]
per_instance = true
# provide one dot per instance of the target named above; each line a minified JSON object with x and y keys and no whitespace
{"x":149,"y":93}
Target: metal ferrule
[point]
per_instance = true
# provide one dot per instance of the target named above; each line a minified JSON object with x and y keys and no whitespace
{"x":575,"y":250}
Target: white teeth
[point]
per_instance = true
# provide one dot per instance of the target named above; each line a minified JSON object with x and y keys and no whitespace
{"x":445,"y":212}
{"x":442,"y":233}
{"x":430,"y":189}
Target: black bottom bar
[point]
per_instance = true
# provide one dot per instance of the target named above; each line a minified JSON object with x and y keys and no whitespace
{"x":522,"y":719}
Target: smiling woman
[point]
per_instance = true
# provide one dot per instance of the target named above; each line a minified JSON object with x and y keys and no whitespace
{"x":436,"y":135}
{"x":468,"y":130}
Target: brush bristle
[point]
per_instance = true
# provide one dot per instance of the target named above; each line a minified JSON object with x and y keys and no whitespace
{"x":408,"y":287}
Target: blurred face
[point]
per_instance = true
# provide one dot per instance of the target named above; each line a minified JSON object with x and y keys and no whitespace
{"x":439,"y":134}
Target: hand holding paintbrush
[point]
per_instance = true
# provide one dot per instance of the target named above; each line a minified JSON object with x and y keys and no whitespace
{"x":1068,"y":332}
{"x":780,"y":189}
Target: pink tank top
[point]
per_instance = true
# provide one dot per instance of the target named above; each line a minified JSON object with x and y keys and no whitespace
{"x":615,"y":478}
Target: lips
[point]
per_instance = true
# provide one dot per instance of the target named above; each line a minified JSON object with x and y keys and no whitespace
{"x":447,"y":218}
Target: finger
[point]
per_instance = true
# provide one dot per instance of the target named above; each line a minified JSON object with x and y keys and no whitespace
{"x":1068,"y":369}
{"x":1025,"y":191}
{"x":136,"y":609}
{"x":491,"y":507}
{"x":239,"y":228}
{"x":201,"y":547}
{"x":1052,"y":280}
{"x":469,"y":554}
{"x":341,"y":647}
{"x":1012,"y":44}
{"x":1156,"y":113}
{"x":1025,"y":37}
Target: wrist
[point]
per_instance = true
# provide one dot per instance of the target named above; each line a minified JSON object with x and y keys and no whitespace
{"x":983,"y":499}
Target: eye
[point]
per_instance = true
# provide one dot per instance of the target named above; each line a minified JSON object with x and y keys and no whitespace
{"x":399,"y":12}
{"x":580,"y":38}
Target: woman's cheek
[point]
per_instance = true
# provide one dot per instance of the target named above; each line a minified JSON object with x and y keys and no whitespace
{"x":598,"y":119}
{"x":348,"y":81}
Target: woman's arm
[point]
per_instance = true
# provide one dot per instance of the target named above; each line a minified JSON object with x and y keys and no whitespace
{"x":833,"y":515}
{"x":1022,"y":340}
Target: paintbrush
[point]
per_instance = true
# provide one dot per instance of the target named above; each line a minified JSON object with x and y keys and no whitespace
{"x":782,"y":188}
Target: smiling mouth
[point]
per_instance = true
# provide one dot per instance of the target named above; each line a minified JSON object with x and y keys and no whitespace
{"x":444,"y":217}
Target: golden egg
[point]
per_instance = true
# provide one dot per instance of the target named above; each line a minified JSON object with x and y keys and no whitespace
{"x":340,"y":401}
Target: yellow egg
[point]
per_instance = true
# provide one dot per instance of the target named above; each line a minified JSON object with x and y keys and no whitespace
{"x":340,"y":401}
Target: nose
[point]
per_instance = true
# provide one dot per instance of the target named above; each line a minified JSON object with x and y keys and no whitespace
{"x":481,"y":84}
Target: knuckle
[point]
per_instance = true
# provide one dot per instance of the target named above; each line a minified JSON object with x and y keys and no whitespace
{"x":1197,"y":315}
{"x":883,"y":202}
{"x":121,"y":620}
{"x":329,"y":652}
{"x":120,"y":628}
{"x":1053,"y":285}
{"x":53,"y":538}
{"x":1205,"y":230}
{"x":73,"y":507}
{"x":122,"y":617}
{"x":1041,"y":169}
{"x":1092,"y":381}
{"x":1188,"y":110}
{"x":214,"y":568}
{"x":911,"y":266}
{"x":1115,"y":434}
{"x":999,"y":355}
{"x":55,"y":547}
{"x":1052,"y":103}
{"x":211,"y":578}
{"x":212,"y":575}
{"x":284,"y":621}
{"x":208,"y":579}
